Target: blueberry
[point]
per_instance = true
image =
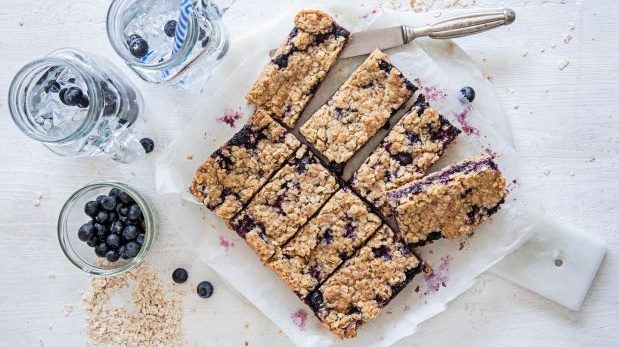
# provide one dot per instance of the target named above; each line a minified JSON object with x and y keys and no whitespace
{"x":148,"y":144}
{"x":122,"y":252}
{"x":281,"y":61}
{"x":92,"y":243}
{"x":180,"y":275}
{"x":132,"y":249}
{"x":114,"y":192}
{"x":138,"y":46}
{"x":239,"y":138}
{"x":133,"y":37}
{"x":117,"y":227}
{"x":314,"y":300}
{"x":170,"y":28}
{"x":103,"y":217}
{"x":91,"y":208}
{"x":71,"y":80}
{"x":100,"y":199}
{"x":112,"y":256}
{"x":71,"y":96}
{"x":52,"y":86}
{"x":468,"y":94}
{"x":134,"y":212}
{"x":403,"y":158}
{"x":86,"y":232}
{"x":202,"y":34}
{"x":205,"y":42}
{"x":140,"y":238}
{"x":83,"y":103}
{"x":124,"y":198}
{"x":339,"y":31}
{"x":113,"y":241}
{"x":131,"y":232}
{"x":101,"y":249}
{"x":385,"y":66}
{"x":108,"y":203}
{"x":123,"y":211}
{"x":101,"y":231}
{"x":205,"y":289}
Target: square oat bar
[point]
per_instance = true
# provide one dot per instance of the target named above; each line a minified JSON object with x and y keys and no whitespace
{"x":418,"y":140}
{"x":236,"y":171}
{"x":360,"y":107}
{"x":342,"y":225}
{"x":282,"y":206}
{"x":367,"y":282}
{"x":301,"y":63}
{"x":450,"y":203}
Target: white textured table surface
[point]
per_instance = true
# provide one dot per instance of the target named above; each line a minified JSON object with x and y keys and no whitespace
{"x":565,"y":126}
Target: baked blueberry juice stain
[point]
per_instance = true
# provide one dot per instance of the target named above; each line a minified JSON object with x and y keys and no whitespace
{"x":439,"y":277}
{"x":230,"y":116}
{"x":461,"y":117}
{"x":369,"y":15}
{"x":431,"y":92}
{"x":299,"y":318}
{"x":224,"y":243}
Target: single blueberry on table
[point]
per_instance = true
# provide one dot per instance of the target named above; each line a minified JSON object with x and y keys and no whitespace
{"x":134,"y":212}
{"x":205,"y":289}
{"x":138,"y":47}
{"x":103,"y":217}
{"x":101,"y":231}
{"x":117,"y":227}
{"x":132,"y":249}
{"x":113,"y":241}
{"x":91,"y":208}
{"x":86,"y":232}
{"x":140,"y":238}
{"x":108,"y":203}
{"x":71,"y":96}
{"x":180,"y":275}
{"x":148,"y":144}
{"x":111,"y":256}
{"x":131,"y":232}
{"x":170,"y":28}
{"x":468,"y":93}
{"x":101,"y":249}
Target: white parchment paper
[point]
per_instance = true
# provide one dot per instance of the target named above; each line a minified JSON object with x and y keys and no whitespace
{"x":440,"y":69}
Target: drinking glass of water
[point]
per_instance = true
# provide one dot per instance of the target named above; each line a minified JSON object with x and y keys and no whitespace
{"x":77,"y":104}
{"x":172,"y":42}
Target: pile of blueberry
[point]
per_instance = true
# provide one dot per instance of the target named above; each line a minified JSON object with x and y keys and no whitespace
{"x":204,"y":289}
{"x":117,"y":226}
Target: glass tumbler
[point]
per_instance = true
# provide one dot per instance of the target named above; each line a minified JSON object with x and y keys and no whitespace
{"x":172,"y":42}
{"x":77,"y":104}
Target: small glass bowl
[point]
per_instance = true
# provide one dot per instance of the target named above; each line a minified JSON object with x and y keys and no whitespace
{"x":72,"y":216}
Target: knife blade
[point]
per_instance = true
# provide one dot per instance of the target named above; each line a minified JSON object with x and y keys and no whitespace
{"x":464,"y":24}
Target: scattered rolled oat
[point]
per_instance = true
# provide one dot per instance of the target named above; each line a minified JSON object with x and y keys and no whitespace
{"x":153,"y":320}
{"x":571,"y":25}
{"x":51,"y":275}
{"x":395,"y":4}
{"x":567,"y":38}
{"x":524,"y":53}
{"x":547,"y":170}
{"x":189,"y":157}
{"x":563,"y":64}
{"x":542,"y":50}
{"x":67,"y":309}
{"x":554,"y":45}
{"x":421,"y":5}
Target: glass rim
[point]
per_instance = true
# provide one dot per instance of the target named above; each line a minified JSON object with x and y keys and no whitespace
{"x":18,"y":83}
{"x":150,"y":229}
{"x":119,"y":43}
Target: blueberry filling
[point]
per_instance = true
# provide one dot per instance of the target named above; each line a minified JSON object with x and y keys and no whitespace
{"x":433,"y":236}
{"x":301,"y":165}
{"x":341,"y":32}
{"x":327,"y":237}
{"x":385,"y":66}
{"x":382,"y":252}
{"x":240,"y":138}
{"x":410,"y":86}
{"x":337,"y":168}
{"x":281,"y":60}
{"x":245,"y":225}
{"x":315,"y":272}
{"x":353,"y":309}
{"x":351,"y":231}
{"x":403,"y":158}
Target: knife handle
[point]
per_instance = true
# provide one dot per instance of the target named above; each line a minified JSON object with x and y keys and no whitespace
{"x":462,"y":24}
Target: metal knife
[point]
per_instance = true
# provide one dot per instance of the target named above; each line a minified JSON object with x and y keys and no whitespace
{"x":464,"y":24}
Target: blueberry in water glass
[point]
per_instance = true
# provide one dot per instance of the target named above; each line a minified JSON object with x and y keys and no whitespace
{"x":77,"y":104}
{"x":106,"y":249}
{"x":172,"y":42}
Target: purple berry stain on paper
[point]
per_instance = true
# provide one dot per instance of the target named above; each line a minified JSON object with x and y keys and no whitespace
{"x":230,"y":116}
{"x":225,"y":243}
{"x":374,"y":12}
{"x":439,"y":277}
{"x":431,"y":92}
{"x":299,"y":318}
{"x":461,"y":117}
{"x":512,"y":185}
